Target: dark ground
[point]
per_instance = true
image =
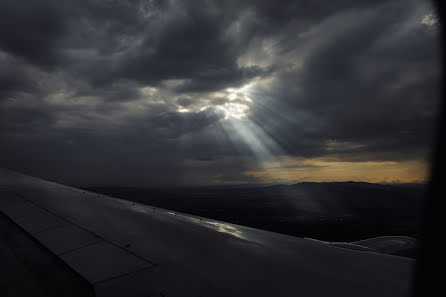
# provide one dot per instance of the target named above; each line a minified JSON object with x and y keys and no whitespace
{"x":346,"y":211}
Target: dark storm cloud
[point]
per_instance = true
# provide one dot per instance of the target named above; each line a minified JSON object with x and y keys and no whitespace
{"x":374,"y":83}
{"x":154,"y":40}
{"x":40,"y":31}
{"x":14,"y":79}
{"x":138,"y":86}
{"x":189,"y":46}
{"x":174,"y":124}
{"x":122,"y":91}
{"x":29,"y":30}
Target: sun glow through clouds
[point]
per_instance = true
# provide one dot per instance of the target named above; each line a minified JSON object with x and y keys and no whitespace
{"x":234,"y":110}
{"x":237,"y":108}
{"x":241,"y":94}
{"x":429,"y":20}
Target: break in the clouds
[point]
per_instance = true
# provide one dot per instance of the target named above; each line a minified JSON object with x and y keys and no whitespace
{"x":202,"y":92}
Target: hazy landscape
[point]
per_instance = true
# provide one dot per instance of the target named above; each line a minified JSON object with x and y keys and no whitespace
{"x":341,"y":212}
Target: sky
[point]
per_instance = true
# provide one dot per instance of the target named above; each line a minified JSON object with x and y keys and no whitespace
{"x":168,"y":93}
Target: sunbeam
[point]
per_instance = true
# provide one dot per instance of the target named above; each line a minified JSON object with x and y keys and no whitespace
{"x":240,"y":128}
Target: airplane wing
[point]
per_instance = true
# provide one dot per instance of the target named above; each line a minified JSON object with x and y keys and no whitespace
{"x":123,"y":248}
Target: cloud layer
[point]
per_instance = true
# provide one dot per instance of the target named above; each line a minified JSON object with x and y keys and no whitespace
{"x":195,"y":92}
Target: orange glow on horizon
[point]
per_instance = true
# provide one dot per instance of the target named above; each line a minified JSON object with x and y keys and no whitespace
{"x":324,"y":170}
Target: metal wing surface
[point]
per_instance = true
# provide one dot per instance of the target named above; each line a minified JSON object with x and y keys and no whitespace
{"x":123,"y":248}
